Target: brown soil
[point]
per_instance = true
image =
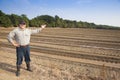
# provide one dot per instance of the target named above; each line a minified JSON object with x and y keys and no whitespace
{"x":65,"y":54}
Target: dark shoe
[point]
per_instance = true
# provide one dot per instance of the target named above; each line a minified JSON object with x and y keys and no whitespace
{"x":28,"y":67}
{"x":29,"y":70}
{"x":18,"y":71}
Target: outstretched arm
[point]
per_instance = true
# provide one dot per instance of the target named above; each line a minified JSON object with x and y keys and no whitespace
{"x":38,"y":30}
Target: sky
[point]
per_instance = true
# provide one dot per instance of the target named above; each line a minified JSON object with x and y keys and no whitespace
{"x":105,"y":12}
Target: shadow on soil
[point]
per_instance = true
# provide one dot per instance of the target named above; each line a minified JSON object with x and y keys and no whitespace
{"x":7,"y":67}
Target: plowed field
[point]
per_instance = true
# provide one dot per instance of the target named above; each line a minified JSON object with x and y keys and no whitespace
{"x":65,"y":54}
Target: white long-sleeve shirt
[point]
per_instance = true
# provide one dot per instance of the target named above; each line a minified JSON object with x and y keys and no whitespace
{"x":22,"y":37}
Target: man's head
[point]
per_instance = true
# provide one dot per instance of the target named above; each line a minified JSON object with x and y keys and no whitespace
{"x":22,"y":24}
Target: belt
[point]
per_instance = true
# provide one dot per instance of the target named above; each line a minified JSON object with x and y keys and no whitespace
{"x":24,"y":45}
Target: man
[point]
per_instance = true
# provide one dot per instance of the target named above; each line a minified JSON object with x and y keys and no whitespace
{"x":20,"y":38}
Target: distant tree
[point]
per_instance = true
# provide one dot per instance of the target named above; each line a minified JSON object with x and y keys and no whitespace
{"x":34,"y":23}
{"x":1,"y":13}
{"x":15,"y":19}
{"x":92,"y":25}
{"x":57,"y":21}
{"x":43,"y":19}
{"x":79,"y":24}
{"x":48,"y":19}
{"x":4,"y":20}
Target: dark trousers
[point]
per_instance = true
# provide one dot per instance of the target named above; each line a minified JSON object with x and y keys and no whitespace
{"x":22,"y":51}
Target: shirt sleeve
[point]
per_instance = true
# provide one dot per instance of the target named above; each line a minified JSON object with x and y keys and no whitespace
{"x":35,"y":31}
{"x":11,"y":36}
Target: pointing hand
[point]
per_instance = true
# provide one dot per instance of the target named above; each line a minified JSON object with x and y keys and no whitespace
{"x":43,"y":26}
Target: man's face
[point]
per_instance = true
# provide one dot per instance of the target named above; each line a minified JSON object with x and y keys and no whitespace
{"x":22,"y":26}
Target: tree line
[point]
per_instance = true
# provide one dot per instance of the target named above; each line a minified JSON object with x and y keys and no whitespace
{"x":12,"y":20}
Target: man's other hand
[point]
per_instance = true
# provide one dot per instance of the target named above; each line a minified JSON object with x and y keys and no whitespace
{"x":15,"y":44}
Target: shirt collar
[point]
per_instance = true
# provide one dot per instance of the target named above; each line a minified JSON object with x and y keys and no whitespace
{"x":21,"y":29}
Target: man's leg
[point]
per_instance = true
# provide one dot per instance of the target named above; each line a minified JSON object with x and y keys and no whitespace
{"x":27,"y":58}
{"x":19,"y":54}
